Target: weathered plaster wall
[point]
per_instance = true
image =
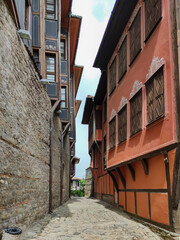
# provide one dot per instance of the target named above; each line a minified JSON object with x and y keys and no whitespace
{"x":24,"y":134}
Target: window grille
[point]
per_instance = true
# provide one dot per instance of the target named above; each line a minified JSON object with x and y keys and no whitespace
{"x":122,"y":124}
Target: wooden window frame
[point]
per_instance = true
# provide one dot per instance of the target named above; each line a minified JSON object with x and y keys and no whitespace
{"x":51,"y":73}
{"x":156,"y":21}
{"x":51,"y":12}
{"x":122,"y":58}
{"x":113,"y":134}
{"x":134,"y":111}
{"x":133,"y":28}
{"x":122,"y":128}
{"x":155,"y":97}
{"x":112,"y":76}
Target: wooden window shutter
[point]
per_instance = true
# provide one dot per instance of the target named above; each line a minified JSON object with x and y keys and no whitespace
{"x":155,"y":96}
{"x":122,"y":57}
{"x":122,"y":125}
{"x":153,"y":13}
{"x":135,"y":37}
{"x":112,"y":133}
{"x":112,"y":83}
{"x":136,"y":113}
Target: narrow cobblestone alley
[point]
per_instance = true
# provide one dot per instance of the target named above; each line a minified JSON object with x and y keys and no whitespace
{"x":83,"y":218}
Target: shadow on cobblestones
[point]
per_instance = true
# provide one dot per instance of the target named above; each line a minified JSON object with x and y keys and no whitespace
{"x":39,"y":226}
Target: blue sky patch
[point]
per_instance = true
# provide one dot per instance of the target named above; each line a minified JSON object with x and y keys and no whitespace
{"x":98,"y":12}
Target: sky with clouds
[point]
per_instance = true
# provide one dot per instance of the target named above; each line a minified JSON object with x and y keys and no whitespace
{"x":95,"y":15}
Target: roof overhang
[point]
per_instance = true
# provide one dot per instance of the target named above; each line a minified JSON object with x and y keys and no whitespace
{"x":116,"y":25}
{"x":75,"y":25}
{"x":87,"y":109}
{"x":77,"y":106}
{"x":77,"y":76}
{"x":101,"y":89}
{"x":65,"y":11}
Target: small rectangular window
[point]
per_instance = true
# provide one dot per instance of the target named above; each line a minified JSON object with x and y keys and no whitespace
{"x":122,"y":57}
{"x":135,"y":37}
{"x":136,"y":113}
{"x":155,"y":96}
{"x":63,"y":49}
{"x":153,"y":13}
{"x":112,"y":78}
{"x":50,"y":67}
{"x":112,"y":133}
{"x":63,"y":97}
{"x":122,"y":125}
{"x":50,"y":9}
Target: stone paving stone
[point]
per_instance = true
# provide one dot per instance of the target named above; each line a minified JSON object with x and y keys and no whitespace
{"x":88,"y":219}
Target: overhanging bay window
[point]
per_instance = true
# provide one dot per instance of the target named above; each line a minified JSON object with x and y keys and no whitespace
{"x":50,"y":68}
{"x":50,"y":9}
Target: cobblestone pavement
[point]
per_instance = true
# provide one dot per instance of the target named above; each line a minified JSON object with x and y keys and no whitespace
{"x":83,"y":218}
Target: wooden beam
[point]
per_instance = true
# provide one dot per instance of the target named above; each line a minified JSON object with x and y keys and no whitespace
{"x":121,"y":177}
{"x":114,"y":180}
{"x":131,"y":169}
{"x":145,"y":166}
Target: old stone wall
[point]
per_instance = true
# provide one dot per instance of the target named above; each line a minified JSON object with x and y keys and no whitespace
{"x":89,"y":183}
{"x":66,"y":168}
{"x":24,"y":134}
{"x":56,"y":162}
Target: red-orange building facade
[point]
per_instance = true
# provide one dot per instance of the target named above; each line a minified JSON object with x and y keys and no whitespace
{"x":133,"y":118}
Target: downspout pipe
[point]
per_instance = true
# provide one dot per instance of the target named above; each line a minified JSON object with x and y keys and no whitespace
{"x":55,"y":106}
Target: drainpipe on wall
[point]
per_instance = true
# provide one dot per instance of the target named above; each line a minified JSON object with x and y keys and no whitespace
{"x":54,"y":108}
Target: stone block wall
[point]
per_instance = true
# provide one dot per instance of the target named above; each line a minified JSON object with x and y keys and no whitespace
{"x":66,"y":168}
{"x":89,"y":183}
{"x":24,"y":134}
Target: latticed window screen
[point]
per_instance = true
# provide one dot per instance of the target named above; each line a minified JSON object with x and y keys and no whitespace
{"x":112,"y":133}
{"x":112,"y":79}
{"x":50,"y":9}
{"x":122,"y":124}
{"x":91,"y":126}
{"x":136,"y":113}
{"x":135,"y":37}
{"x":122,"y":58}
{"x":153,"y":12}
{"x":155,"y":96}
